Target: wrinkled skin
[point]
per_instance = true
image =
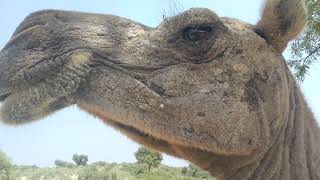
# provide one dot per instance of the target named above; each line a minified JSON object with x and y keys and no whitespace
{"x":214,"y":91}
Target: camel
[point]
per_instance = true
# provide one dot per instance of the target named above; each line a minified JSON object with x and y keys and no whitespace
{"x":211,"y":90}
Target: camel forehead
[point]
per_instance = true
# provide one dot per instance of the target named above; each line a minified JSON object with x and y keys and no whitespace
{"x":237,"y":24}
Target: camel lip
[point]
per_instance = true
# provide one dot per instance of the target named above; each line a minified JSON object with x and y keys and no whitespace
{"x":4,"y":97}
{"x":21,"y":33}
{"x":28,"y":27}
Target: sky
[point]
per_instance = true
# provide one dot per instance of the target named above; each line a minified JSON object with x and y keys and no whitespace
{"x":71,"y":130}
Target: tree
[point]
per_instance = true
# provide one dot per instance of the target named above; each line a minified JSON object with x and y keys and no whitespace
{"x":60,"y":163}
{"x":148,"y":157}
{"x":80,"y":160}
{"x":306,"y":49}
{"x":5,"y":167}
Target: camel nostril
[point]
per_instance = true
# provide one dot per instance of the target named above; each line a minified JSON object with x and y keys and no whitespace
{"x":26,"y":27}
{"x":201,"y":114}
{"x":3,"y":97}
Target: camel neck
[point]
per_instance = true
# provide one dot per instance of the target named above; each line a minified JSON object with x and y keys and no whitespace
{"x":295,"y":153}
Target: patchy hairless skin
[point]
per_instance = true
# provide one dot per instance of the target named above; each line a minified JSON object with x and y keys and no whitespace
{"x":214,"y":91}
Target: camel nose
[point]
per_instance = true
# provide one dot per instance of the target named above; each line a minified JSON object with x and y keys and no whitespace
{"x":40,"y":18}
{"x":43,"y":42}
{"x":27,"y":51}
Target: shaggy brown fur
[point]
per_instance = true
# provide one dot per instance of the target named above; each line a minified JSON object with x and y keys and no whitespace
{"x":214,"y":91}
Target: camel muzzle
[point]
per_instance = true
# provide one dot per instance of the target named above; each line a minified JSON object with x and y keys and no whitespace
{"x":45,"y":41}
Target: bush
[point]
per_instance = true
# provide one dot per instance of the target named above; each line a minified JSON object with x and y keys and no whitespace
{"x":99,"y":163}
{"x":93,"y":174}
{"x":184,"y":171}
{"x":5,"y":167}
{"x":60,"y":163}
{"x":135,"y":169}
{"x":195,"y":172}
{"x":80,"y":160}
{"x":114,"y":176}
{"x":138,"y":170}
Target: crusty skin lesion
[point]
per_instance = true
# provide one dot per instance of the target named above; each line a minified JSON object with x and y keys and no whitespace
{"x":211,"y":90}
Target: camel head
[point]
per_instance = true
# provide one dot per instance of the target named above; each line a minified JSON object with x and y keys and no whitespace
{"x":198,"y":83}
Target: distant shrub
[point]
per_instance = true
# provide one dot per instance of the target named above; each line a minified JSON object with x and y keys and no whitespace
{"x":195,"y":172}
{"x":25,"y":167}
{"x":5,"y":167}
{"x":80,"y":160}
{"x":99,"y":163}
{"x":60,"y":163}
{"x":113,"y":164}
{"x":135,"y":169}
{"x":114,"y":176}
{"x":138,"y":170}
{"x":47,"y":175}
{"x":184,"y":171}
{"x":203,"y":175}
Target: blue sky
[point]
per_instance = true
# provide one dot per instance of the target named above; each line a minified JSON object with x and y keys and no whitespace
{"x":72,"y":131}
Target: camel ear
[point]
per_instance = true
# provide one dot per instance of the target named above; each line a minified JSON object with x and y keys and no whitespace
{"x":281,"y":22}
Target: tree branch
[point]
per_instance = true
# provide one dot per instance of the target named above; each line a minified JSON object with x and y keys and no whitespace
{"x":311,"y":53}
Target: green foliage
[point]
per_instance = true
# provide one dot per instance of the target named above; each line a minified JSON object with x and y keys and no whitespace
{"x":5,"y":167}
{"x":99,"y":163}
{"x":32,"y":172}
{"x":184,"y":171}
{"x":133,"y":170}
{"x":148,"y":157}
{"x":195,"y":172}
{"x":92,"y":173}
{"x":114,"y":176}
{"x":60,"y":163}
{"x":110,"y":171}
{"x":306,"y":49}
{"x":80,"y":160}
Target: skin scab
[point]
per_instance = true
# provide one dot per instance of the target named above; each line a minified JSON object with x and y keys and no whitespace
{"x":218,"y":72}
{"x":201,"y":114}
{"x":79,"y":58}
{"x":251,"y":96}
{"x":240,"y":68}
{"x":135,"y":32}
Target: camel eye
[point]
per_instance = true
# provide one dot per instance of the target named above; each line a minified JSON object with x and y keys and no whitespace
{"x":195,"y":34}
